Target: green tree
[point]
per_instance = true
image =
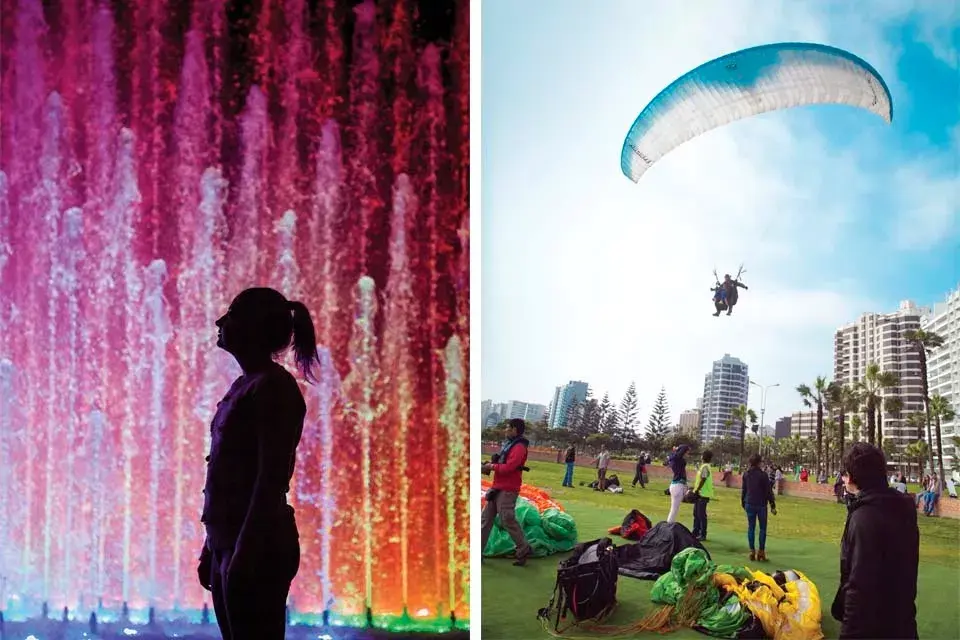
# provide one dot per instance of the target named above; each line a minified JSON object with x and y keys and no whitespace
{"x":871,"y":390}
{"x":658,"y":426}
{"x":590,"y":422}
{"x":891,"y":405}
{"x":923,"y":342}
{"x":941,"y":411}
{"x":815,"y":396}
{"x":916,"y":421}
{"x":740,"y":416}
{"x":856,"y":428}
{"x":609,"y":418}
{"x":917,"y":452}
{"x":629,"y":415}
{"x":841,"y":400}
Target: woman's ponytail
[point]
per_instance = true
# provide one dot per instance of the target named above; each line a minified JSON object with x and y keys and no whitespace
{"x":304,"y":341}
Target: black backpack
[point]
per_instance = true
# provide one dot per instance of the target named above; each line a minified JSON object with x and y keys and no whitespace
{"x":586,"y":584}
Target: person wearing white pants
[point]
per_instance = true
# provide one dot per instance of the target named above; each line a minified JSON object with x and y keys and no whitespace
{"x":678,"y":486}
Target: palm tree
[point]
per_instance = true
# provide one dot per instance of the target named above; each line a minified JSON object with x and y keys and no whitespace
{"x":917,"y":421}
{"x":740,"y":416}
{"x":923,"y":342}
{"x":891,"y":404}
{"x":871,"y":392}
{"x":856,"y":425}
{"x":941,"y":411}
{"x":917,"y":452}
{"x":842,"y":399}
{"x":817,"y":395}
{"x":830,"y":427}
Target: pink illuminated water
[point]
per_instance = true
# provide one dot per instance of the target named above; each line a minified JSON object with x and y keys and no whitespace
{"x":155,"y":161}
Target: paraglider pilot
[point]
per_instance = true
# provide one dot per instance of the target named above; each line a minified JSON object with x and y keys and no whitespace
{"x":726,"y":294}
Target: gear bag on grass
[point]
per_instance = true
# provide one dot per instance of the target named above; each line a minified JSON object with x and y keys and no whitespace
{"x":586,"y":584}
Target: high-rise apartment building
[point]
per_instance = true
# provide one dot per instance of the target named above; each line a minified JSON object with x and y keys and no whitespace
{"x":689,"y":423}
{"x":494,"y":413}
{"x":529,"y":411}
{"x":943,"y":366}
{"x":486,"y":408}
{"x":725,"y":387}
{"x":804,"y":424}
{"x":564,"y":396}
{"x":881,"y":338}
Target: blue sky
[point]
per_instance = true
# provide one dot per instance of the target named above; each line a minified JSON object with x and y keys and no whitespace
{"x":588,"y":276}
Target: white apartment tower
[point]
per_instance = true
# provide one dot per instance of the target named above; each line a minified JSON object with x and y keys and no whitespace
{"x":689,"y":423}
{"x":943,"y":366}
{"x":573,"y":392}
{"x":725,"y":387}
{"x":881,"y":338}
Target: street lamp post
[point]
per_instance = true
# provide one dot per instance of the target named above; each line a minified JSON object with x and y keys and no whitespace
{"x":763,"y":410}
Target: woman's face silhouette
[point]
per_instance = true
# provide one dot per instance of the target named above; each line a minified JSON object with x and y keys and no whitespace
{"x":238,"y":327}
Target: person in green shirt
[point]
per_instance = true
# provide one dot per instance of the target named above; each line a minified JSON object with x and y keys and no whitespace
{"x":703,"y":490}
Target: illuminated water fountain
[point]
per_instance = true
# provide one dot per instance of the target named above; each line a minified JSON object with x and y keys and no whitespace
{"x":144,"y":184}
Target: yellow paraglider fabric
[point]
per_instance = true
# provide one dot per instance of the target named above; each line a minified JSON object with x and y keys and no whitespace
{"x":791,"y":612}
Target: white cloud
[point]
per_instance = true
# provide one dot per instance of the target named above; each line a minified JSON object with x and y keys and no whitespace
{"x":612,"y":278}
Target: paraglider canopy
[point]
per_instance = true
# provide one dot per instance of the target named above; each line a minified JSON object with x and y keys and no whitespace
{"x":747,"y":83}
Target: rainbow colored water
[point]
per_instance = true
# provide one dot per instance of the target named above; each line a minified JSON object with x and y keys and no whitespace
{"x":155,"y":161}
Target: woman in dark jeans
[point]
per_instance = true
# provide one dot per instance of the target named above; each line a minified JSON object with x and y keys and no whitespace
{"x":252,"y":550}
{"x":755,"y":494}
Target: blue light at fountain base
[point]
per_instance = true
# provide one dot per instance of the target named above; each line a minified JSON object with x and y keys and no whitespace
{"x":147,"y":625}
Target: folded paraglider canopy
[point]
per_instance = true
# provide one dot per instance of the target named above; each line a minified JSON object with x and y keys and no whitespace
{"x":734,"y":602}
{"x":547,"y":528}
{"x":747,"y":83}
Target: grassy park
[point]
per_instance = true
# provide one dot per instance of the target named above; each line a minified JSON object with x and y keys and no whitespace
{"x":805,"y":535}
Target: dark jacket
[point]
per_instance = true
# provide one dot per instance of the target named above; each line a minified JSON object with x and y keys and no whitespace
{"x":679,"y":464}
{"x":880,"y":547}
{"x":571,"y":455}
{"x":756,"y":490}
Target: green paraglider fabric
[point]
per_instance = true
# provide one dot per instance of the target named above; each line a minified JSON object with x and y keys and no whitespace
{"x":688,"y":587}
{"x":551,"y":532}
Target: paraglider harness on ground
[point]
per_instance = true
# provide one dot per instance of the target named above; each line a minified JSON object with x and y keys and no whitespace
{"x":586,"y":586}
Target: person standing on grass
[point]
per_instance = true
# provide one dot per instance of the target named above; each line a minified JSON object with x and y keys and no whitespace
{"x":703,"y":490}
{"x":641,"y":474}
{"x":570,"y":457}
{"x":880,"y":547}
{"x":502,"y":496}
{"x":755,"y":494}
{"x":603,"y":461}
{"x":678,"y":485}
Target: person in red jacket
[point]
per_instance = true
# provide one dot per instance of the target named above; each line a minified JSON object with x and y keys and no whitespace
{"x":507,"y":470}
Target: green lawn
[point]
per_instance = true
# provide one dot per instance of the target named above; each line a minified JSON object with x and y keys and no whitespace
{"x":804,"y":536}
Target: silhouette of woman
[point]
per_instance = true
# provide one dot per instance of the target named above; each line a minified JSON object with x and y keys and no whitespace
{"x":252,"y":551}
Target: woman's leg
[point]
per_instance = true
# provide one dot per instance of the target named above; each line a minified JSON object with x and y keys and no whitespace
{"x":762,"y":518}
{"x":751,"y":527}
{"x":218,"y":588}
{"x":676,"y":497}
{"x":257,"y":601}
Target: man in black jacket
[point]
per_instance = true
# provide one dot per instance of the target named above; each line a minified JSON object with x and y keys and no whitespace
{"x":880,"y":547}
